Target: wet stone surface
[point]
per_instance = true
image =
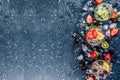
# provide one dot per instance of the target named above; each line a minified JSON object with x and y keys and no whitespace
{"x":36,"y":42}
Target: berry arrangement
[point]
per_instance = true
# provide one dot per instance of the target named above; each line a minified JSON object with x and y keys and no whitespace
{"x":96,"y":28}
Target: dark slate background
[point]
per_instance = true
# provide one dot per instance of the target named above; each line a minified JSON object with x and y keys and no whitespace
{"x":36,"y":42}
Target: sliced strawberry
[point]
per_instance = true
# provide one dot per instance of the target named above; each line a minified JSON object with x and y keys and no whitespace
{"x":88,"y":39}
{"x":93,"y":54}
{"x":90,"y":78}
{"x":114,"y":15}
{"x":98,"y":1}
{"x":108,"y":57}
{"x":89,"y":19}
{"x":113,"y":32}
{"x":94,"y":33}
{"x":91,"y":34}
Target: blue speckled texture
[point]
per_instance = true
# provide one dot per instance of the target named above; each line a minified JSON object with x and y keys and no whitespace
{"x":36,"y":42}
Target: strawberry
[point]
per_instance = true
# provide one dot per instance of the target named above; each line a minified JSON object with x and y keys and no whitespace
{"x":91,"y":34}
{"x":107,"y":57}
{"x":114,"y":15}
{"x":113,"y":32}
{"x":89,"y":19}
{"x":94,"y":33}
{"x":90,"y":78}
{"x":98,"y":1}
{"x":93,"y":54}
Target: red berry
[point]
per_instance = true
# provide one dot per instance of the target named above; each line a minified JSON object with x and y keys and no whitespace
{"x":90,"y":78}
{"x":114,"y":15}
{"x":107,"y":56}
{"x":89,"y":19}
{"x":94,"y":33}
{"x":113,"y":32}
{"x":91,"y":34}
{"x":93,"y":54}
{"x":98,"y":1}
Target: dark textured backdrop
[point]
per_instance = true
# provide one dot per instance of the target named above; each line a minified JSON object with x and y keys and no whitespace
{"x":36,"y":43}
